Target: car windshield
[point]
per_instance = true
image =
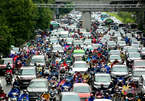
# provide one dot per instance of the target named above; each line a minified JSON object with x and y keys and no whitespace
{"x":113,"y":57}
{"x":143,"y":50}
{"x":8,"y":61}
{"x":132,"y":49}
{"x":121,"y":42}
{"x":38,"y":84}
{"x":115,"y":52}
{"x":139,"y":63}
{"x":80,"y":65}
{"x":119,"y":69}
{"x":138,"y":73}
{"x":101,"y":78}
{"x":134,"y":55}
{"x":78,"y":42}
{"x":70,"y":98}
{"x":38,"y":60}
{"x":111,"y":43}
{"x":54,"y":40}
{"x":82,"y":89}
{"x":28,"y":72}
{"x":57,"y":48}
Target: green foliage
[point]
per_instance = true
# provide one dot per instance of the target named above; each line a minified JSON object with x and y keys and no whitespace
{"x":18,"y":19}
{"x":44,"y":15}
{"x":125,"y":17}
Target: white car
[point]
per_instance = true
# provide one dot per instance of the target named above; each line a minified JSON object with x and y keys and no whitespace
{"x":80,"y":66}
{"x":38,"y":59}
{"x":58,"y":48}
{"x":102,"y":78}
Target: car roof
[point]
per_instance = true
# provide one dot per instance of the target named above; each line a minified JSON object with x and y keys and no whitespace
{"x":139,"y":69}
{"x":102,"y":100}
{"x":69,"y":93}
{"x":38,"y":56}
{"x":79,"y":62}
{"x":7,"y":58}
{"x":105,"y":74}
{"x":81,"y":84}
{"x":39,"y":79}
{"x":28,"y":67}
{"x":139,"y":60}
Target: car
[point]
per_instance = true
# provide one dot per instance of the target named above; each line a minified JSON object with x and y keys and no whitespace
{"x":136,"y":73}
{"x":77,"y":43}
{"x":121,"y":44}
{"x":69,"y":41}
{"x":4,"y":63}
{"x":57,"y":48}
{"x":102,"y":79}
{"x":89,"y":47}
{"x":15,"y":50}
{"x":112,"y":58}
{"x":119,"y":71}
{"x":80,"y":66}
{"x":37,"y":87}
{"x":139,"y":64}
{"x":111,"y":44}
{"x":53,"y":40}
{"x":142,"y":52}
{"x":114,"y":52}
{"x":26,"y":74}
{"x":69,"y":96}
{"x":88,"y":41}
{"x":132,"y":56}
{"x":78,"y":53}
{"x":131,"y":49}
{"x":83,"y":90}
{"x":63,"y":34}
{"x":38,"y":60}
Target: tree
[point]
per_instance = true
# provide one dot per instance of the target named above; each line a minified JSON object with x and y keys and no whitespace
{"x":19,"y":14}
{"x":44,"y":15}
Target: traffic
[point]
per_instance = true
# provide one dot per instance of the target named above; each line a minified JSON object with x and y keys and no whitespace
{"x":69,"y":63}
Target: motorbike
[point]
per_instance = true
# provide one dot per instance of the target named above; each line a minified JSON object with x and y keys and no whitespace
{"x":2,"y":98}
{"x":8,"y":78}
{"x":24,"y":97}
{"x":53,"y":96}
{"x":14,"y":94}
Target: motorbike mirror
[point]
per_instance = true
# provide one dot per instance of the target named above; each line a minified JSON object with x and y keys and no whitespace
{"x":140,"y":84}
{"x":130,"y":74}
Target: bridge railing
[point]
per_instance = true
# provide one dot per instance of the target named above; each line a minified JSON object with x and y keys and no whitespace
{"x":77,"y":6}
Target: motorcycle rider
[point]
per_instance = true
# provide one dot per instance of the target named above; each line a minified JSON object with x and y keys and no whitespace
{"x":9,"y":74}
{"x":53,"y":93}
{"x":45,"y":96}
{"x":2,"y":94}
{"x":15,"y":89}
{"x":92,"y":97}
{"x":68,"y":84}
{"x":86,"y":76}
{"x":24,"y":95}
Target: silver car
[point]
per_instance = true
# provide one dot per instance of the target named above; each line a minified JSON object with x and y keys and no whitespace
{"x":80,"y":66}
{"x":38,"y":59}
{"x":119,"y":71}
{"x":26,"y":74}
{"x":137,"y":72}
{"x":37,"y":87}
{"x":69,"y":96}
{"x":102,"y":78}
